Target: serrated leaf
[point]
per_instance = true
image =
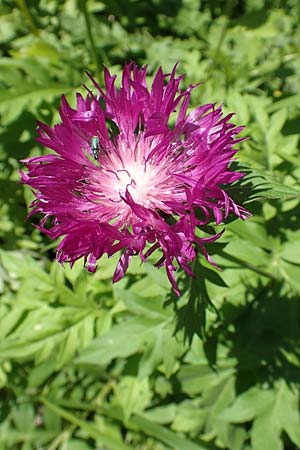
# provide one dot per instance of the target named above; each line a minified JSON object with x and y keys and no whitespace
{"x":26,"y":96}
{"x":266,"y":186}
{"x":43,"y":331}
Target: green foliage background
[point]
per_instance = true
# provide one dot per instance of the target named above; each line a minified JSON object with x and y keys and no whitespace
{"x":88,"y":365}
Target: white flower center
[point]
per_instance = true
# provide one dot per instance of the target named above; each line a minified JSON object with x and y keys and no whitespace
{"x":151,"y":184}
{"x":139,"y":180}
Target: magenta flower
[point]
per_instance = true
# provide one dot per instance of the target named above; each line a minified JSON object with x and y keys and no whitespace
{"x":123,"y":178}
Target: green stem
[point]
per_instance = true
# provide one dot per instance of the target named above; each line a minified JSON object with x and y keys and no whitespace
{"x":27,"y":14}
{"x":92,"y":430}
{"x":61,"y":439}
{"x":227,"y":15}
{"x":88,"y":25}
{"x":217,"y":49}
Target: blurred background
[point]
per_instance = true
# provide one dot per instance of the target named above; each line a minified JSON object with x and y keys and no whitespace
{"x":87,"y":365}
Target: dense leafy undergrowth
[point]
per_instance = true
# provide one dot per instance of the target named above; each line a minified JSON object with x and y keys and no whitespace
{"x":85,"y":364}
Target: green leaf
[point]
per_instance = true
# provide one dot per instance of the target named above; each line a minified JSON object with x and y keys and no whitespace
{"x":20,"y":265}
{"x":265,"y":433}
{"x":9,"y":320}
{"x":287,"y":412}
{"x":76,"y":444}
{"x":197,"y":378}
{"x":252,"y":231}
{"x":151,"y":307}
{"x":292,"y":100}
{"x":266,"y":186}
{"x":152,"y":353}
{"x":277,"y":121}
{"x":290,"y":249}
{"x":39,"y":374}
{"x":116,"y":343}
{"x":23,"y":416}
{"x":172,"y":348}
{"x":248,"y":405}
{"x":290,"y":273}
{"x":161,"y":414}
{"x":26,"y":96}
{"x":190,"y":417}
{"x":47,"y":331}
{"x":132,"y":394}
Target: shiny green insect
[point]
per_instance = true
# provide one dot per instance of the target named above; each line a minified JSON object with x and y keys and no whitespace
{"x":95,"y":147}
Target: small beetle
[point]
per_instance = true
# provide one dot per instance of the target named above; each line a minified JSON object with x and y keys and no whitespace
{"x":95,"y":146}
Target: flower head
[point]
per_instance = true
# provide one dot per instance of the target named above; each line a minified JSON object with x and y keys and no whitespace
{"x":122,"y":178}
